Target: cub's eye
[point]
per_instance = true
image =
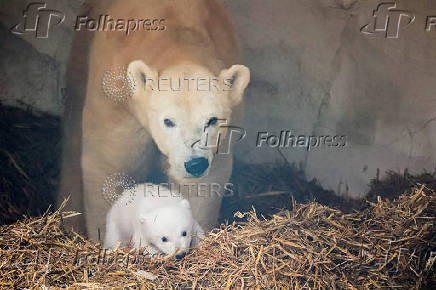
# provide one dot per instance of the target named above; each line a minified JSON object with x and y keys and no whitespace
{"x":212,"y":121}
{"x":184,"y":234}
{"x":169,"y":123}
{"x":164,"y":239}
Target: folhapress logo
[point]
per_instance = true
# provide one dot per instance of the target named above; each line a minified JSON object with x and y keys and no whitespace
{"x":38,"y":19}
{"x":388,"y":20}
{"x":235,"y":134}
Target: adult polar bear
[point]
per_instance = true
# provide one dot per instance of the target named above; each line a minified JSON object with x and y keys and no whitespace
{"x":104,"y":137}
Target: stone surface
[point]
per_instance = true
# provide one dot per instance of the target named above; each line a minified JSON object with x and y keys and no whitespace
{"x":315,"y":73}
{"x":29,"y":78}
{"x":56,"y":48}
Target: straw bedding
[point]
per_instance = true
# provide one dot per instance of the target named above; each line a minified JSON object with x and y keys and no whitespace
{"x":387,"y":244}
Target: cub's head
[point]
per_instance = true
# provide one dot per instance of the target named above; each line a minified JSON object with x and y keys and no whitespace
{"x":169,"y":228}
{"x":183,"y":108}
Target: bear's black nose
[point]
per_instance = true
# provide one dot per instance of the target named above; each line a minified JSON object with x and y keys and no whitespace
{"x":180,"y":256}
{"x":197,"y":166}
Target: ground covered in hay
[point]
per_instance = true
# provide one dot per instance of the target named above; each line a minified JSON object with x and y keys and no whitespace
{"x":334,"y":243}
{"x":387,"y":244}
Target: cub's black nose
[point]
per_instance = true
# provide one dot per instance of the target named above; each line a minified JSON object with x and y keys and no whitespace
{"x":197,"y":166}
{"x":180,"y":256}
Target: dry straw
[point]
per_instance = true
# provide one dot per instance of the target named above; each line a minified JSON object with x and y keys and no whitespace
{"x":388,"y":244}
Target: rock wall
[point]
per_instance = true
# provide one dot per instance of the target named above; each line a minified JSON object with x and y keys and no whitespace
{"x":319,"y":68}
{"x":315,"y":73}
{"x":35,"y":67}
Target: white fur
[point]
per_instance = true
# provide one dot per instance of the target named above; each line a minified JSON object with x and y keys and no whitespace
{"x":189,"y":108}
{"x":146,"y":214}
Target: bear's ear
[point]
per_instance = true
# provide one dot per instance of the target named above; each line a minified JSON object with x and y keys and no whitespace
{"x":185,"y":203}
{"x":142,"y":77}
{"x":237,"y":77}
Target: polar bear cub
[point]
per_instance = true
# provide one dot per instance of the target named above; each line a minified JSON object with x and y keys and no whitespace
{"x":151,"y":216}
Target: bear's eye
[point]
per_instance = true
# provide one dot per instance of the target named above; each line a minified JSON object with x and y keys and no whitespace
{"x":164,"y":239}
{"x":169,"y":123}
{"x":212,"y":121}
{"x":184,"y":234}
{"x":232,"y":80}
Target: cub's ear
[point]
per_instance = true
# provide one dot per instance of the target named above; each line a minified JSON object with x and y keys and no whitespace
{"x":141,"y":76}
{"x":185,"y":203}
{"x":236,"y":78}
{"x":142,"y":218}
{"x":145,"y":218}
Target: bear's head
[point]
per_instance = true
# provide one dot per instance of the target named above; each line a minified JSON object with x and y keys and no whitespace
{"x":169,"y":228}
{"x":183,"y":108}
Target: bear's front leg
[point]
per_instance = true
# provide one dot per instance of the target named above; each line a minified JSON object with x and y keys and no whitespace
{"x":96,"y":207}
{"x":113,"y":142}
{"x":101,"y":160}
{"x":205,"y":194}
{"x":197,"y":234}
{"x":112,"y":234}
{"x":97,"y":166}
